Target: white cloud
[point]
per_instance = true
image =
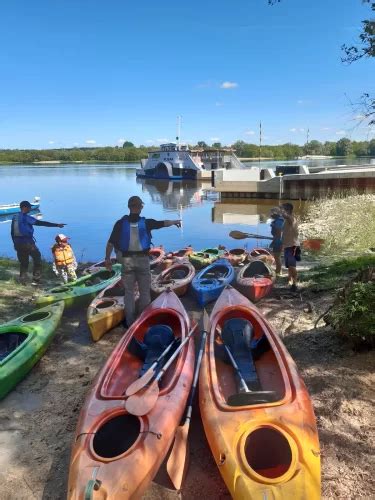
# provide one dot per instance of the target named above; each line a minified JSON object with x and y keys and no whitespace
{"x":150,"y":141}
{"x":218,"y":103}
{"x":214,"y":139}
{"x":249,"y":132}
{"x":51,"y":142}
{"x":163,"y":139}
{"x":341,"y":132}
{"x":293,"y":130}
{"x":120,"y":141}
{"x":75,"y":144}
{"x":301,"y":129}
{"x":303,"y":101}
{"x":326,"y":128}
{"x":90,"y":141}
{"x":229,"y":85}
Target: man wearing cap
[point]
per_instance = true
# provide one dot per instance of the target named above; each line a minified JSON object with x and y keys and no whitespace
{"x":131,"y":239}
{"x":22,"y":232}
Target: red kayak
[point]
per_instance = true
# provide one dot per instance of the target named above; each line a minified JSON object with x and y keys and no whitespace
{"x":115,"y":454}
{"x":255,"y":280}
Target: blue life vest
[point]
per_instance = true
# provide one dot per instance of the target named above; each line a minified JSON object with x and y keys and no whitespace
{"x":22,"y":230}
{"x":144,"y":236}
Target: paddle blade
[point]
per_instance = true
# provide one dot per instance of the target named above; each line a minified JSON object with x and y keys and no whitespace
{"x":252,"y":398}
{"x":238,"y":235}
{"x":143,"y":401}
{"x":141,"y":382}
{"x":178,"y":460}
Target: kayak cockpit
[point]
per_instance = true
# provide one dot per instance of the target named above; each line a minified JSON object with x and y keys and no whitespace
{"x":256,"y":268}
{"x":138,"y":352}
{"x":10,"y":342}
{"x":251,"y":348}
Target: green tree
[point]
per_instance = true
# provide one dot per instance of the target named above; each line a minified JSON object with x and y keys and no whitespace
{"x":216,"y":145}
{"x":371,"y":147}
{"x":344,"y":147}
{"x":313,"y":148}
{"x":202,"y":144}
{"x":128,"y":144}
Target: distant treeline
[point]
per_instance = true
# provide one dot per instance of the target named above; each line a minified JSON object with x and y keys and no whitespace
{"x":343,"y":147}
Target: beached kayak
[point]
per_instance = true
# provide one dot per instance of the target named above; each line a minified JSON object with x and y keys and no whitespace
{"x":262,"y":254}
{"x":265,"y":443}
{"x":210,"y":282}
{"x":118,"y":454}
{"x":23,"y":341}
{"x":255,"y":280}
{"x":98,"y":266}
{"x":157,"y":255}
{"x":177,"y":278}
{"x":82,"y":290}
{"x":236,"y":256}
{"x":205,"y":257}
{"x":177,"y":256}
{"x":107,"y":309}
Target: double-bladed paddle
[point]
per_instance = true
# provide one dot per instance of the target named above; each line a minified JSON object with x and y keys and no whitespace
{"x":248,"y":397}
{"x":138,"y":384}
{"x":178,"y":459}
{"x":144,"y":400}
{"x":239,"y":235}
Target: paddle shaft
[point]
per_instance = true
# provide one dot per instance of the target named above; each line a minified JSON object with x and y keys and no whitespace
{"x":238,"y":235}
{"x":242,"y":380}
{"x":195,"y":379}
{"x":175,"y":354}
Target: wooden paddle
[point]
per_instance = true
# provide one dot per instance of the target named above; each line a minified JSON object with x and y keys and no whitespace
{"x":178,"y":459}
{"x":239,"y":235}
{"x":138,"y":384}
{"x":248,"y":397}
{"x":144,"y":400}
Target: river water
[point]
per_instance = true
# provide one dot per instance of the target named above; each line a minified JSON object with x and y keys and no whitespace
{"x":90,"y":198}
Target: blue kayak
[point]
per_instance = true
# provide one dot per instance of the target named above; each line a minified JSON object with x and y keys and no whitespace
{"x":211,"y":281}
{"x":14,"y":208}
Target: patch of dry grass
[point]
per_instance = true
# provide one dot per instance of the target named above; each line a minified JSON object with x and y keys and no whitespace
{"x":347,"y":224}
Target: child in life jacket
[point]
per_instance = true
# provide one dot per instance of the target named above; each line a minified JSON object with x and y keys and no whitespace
{"x":65,"y":263}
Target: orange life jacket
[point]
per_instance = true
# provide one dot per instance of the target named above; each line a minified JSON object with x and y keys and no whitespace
{"x":63,"y":255}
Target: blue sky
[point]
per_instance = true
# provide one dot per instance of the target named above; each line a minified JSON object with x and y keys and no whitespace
{"x":80,"y":73}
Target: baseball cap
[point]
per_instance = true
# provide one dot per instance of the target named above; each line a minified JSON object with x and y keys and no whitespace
{"x":25,"y":203}
{"x":135,"y":201}
{"x":62,"y":237}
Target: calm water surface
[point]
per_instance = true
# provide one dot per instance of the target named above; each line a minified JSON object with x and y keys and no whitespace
{"x":90,"y":198}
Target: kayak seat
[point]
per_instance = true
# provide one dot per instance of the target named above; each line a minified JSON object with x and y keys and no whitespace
{"x":256,"y":268}
{"x":9,"y":343}
{"x":156,"y":340}
{"x":237,"y":335}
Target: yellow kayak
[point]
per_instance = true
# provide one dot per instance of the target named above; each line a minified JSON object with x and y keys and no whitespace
{"x":265,"y":443}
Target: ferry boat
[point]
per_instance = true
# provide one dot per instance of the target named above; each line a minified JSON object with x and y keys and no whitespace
{"x":177,"y":161}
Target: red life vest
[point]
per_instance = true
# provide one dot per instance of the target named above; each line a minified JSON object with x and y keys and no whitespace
{"x":63,"y":255}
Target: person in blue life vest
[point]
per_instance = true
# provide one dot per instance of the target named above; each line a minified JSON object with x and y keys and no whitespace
{"x":22,"y":233}
{"x":291,"y":244}
{"x":131,"y":240}
{"x":276,"y":244}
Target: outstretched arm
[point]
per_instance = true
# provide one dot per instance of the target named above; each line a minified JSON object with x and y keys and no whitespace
{"x":168,"y":223}
{"x":47,"y":224}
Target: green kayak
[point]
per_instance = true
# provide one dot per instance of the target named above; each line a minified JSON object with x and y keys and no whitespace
{"x":82,"y":290}
{"x":23,"y":341}
{"x":205,"y":257}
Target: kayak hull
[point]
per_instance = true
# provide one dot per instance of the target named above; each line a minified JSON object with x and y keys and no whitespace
{"x":255,"y":280}
{"x":236,"y":256}
{"x":211,"y":281}
{"x":168,"y":279}
{"x":263,"y":450}
{"x":80,"y":292}
{"x":205,"y":257}
{"x":157,"y":255}
{"x":262,"y":254}
{"x":127,"y":471}
{"x":38,"y":329}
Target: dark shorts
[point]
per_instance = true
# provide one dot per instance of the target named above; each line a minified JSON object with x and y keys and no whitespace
{"x":291,"y":256}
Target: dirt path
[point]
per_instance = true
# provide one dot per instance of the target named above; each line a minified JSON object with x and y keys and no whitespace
{"x":38,"y":418}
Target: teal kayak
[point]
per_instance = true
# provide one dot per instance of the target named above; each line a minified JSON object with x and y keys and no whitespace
{"x":82,"y":290}
{"x":23,"y":341}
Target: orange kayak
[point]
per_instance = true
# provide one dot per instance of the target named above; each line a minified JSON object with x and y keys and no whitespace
{"x":177,"y":278}
{"x":236,"y":256}
{"x":115,"y":454}
{"x":265,"y":444}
